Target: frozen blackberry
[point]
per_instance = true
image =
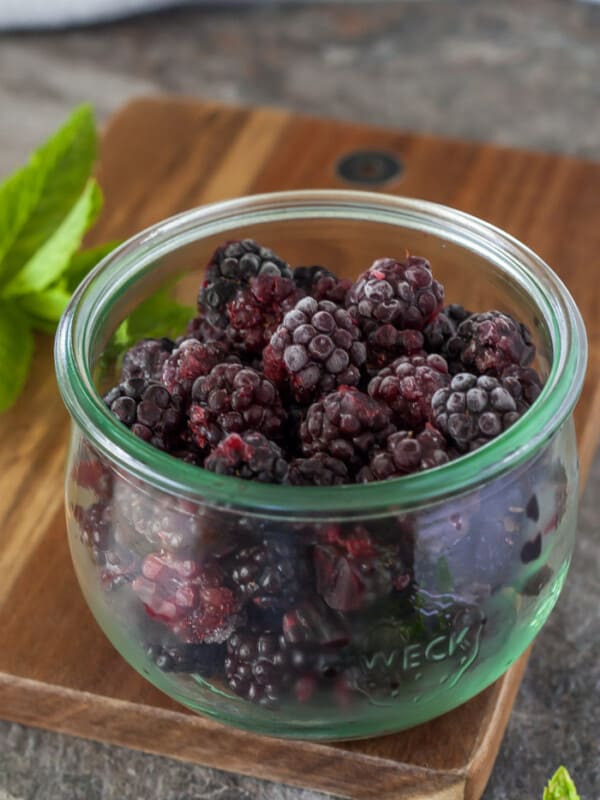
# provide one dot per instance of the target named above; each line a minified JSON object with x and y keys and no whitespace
{"x":488,"y":343}
{"x":391,"y":297}
{"x":271,"y":573}
{"x":146,"y":358}
{"x":316,"y":348}
{"x":439,"y":332}
{"x":204,"y":331}
{"x":318,"y":470}
{"x":188,"y":361}
{"x":95,"y":528}
{"x":233,"y":399}
{"x":322,"y":284}
{"x":527,"y":378}
{"x":354,"y":571}
{"x":346,"y":425}
{"x":313,"y":623}
{"x":249,"y":455}
{"x":473,"y":410}
{"x":149,"y":410}
{"x":258,"y":668}
{"x":91,"y":471}
{"x":408,"y":385}
{"x":254,"y":313}
{"x":197,"y":659}
{"x":231,"y":268}
{"x":405,"y":453}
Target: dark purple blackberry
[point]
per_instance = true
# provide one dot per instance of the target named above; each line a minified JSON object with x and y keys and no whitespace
{"x":95,"y":528}
{"x":405,"y":453}
{"x":233,"y":399}
{"x":149,"y":410}
{"x":322,"y":284}
{"x":201,"y":329}
{"x":188,"y":361}
{"x":528,"y":379}
{"x":391,"y":297}
{"x":408,"y":385}
{"x":316,"y":348}
{"x":258,"y":668}
{"x":197,"y":659}
{"x":318,"y":470}
{"x":488,"y":343}
{"x":473,"y":410}
{"x":255,"y":312}
{"x":146,"y":358}
{"x":231,"y":268}
{"x":271,"y":573}
{"x":346,"y":425}
{"x":438,"y":333}
{"x":249,"y":455}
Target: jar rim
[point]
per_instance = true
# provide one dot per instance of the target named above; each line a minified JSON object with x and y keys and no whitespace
{"x":115,"y":274}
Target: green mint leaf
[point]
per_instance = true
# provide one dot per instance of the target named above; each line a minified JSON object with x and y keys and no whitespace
{"x":561,"y":787}
{"x":45,"y":308}
{"x":54,"y":256}
{"x":35,"y":200}
{"x":16,"y":349}
{"x":83,"y":262}
{"x":159,"y":315}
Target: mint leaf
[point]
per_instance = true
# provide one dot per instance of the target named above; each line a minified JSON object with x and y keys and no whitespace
{"x":45,"y":307}
{"x":561,"y":787}
{"x":35,"y":200}
{"x":16,"y":349}
{"x":158,"y":315}
{"x":54,"y":256}
{"x":83,"y":262}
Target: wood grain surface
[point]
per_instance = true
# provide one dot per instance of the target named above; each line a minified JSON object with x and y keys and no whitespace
{"x":159,"y":157}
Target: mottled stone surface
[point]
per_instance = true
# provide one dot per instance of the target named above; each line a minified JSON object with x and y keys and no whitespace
{"x":519,"y":73}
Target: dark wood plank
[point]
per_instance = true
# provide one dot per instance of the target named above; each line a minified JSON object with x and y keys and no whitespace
{"x":162,"y":156}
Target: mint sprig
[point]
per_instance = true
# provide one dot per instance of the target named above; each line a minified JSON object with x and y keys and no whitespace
{"x":561,"y":787}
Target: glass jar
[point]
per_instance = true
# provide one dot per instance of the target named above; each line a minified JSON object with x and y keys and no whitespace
{"x":312,"y":612}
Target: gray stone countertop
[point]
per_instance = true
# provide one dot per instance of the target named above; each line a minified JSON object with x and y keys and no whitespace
{"x":518,"y":73}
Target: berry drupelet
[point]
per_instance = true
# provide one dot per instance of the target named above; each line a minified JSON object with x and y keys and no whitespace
{"x":149,"y":410}
{"x":233,"y":399}
{"x":316,"y":348}
{"x":146,"y":358}
{"x":231,"y":268}
{"x":488,"y":343}
{"x":408,"y":385}
{"x":405,"y":453}
{"x":346,"y":425}
{"x":249,"y":455}
{"x":473,"y":410}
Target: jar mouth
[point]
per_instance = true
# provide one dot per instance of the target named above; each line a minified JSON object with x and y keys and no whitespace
{"x":116,"y":273}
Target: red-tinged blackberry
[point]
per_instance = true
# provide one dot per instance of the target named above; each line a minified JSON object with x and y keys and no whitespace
{"x":354,"y":570}
{"x":146,"y":358}
{"x":318,"y":470}
{"x":405,"y":453}
{"x":254,"y":313}
{"x":249,"y":455}
{"x":527,"y":379}
{"x":346,"y":425}
{"x":233,"y":399}
{"x":408,"y":385}
{"x":149,"y":410}
{"x":322,"y":284}
{"x":204,"y":331}
{"x":440,"y":330}
{"x":188,"y":361}
{"x":473,"y":410}
{"x":488,"y":343}
{"x":316,"y":348}
{"x":231,"y":268}
{"x":91,"y":471}
{"x":271,"y":573}
{"x":393,"y":296}
{"x":197,"y":659}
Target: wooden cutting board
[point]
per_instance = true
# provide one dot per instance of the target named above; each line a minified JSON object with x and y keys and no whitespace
{"x":160,"y":157}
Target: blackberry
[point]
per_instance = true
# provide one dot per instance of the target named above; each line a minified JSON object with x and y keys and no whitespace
{"x":318,"y":470}
{"x":233,"y":399}
{"x":408,"y":385}
{"x":231,"y":268}
{"x":271,"y":573}
{"x":346,"y":425}
{"x":149,"y":410}
{"x":322,"y":284}
{"x":405,"y":453}
{"x":315,"y":624}
{"x":254,"y":313}
{"x":91,"y":471}
{"x":258,"y":668}
{"x":251,"y":456}
{"x":488,"y":343}
{"x":473,"y":410}
{"x":528,"y":379}
{"x":197,"y":659}
{"x":316,"y":348}
{"x":204,"y":331}
{"x":391,"y":297}
{"x":188,"y":361}
{"x":439,"y":332}
{"x":354,"y":570}
{"x":95,"y":528}
{"x":146,"y":358}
